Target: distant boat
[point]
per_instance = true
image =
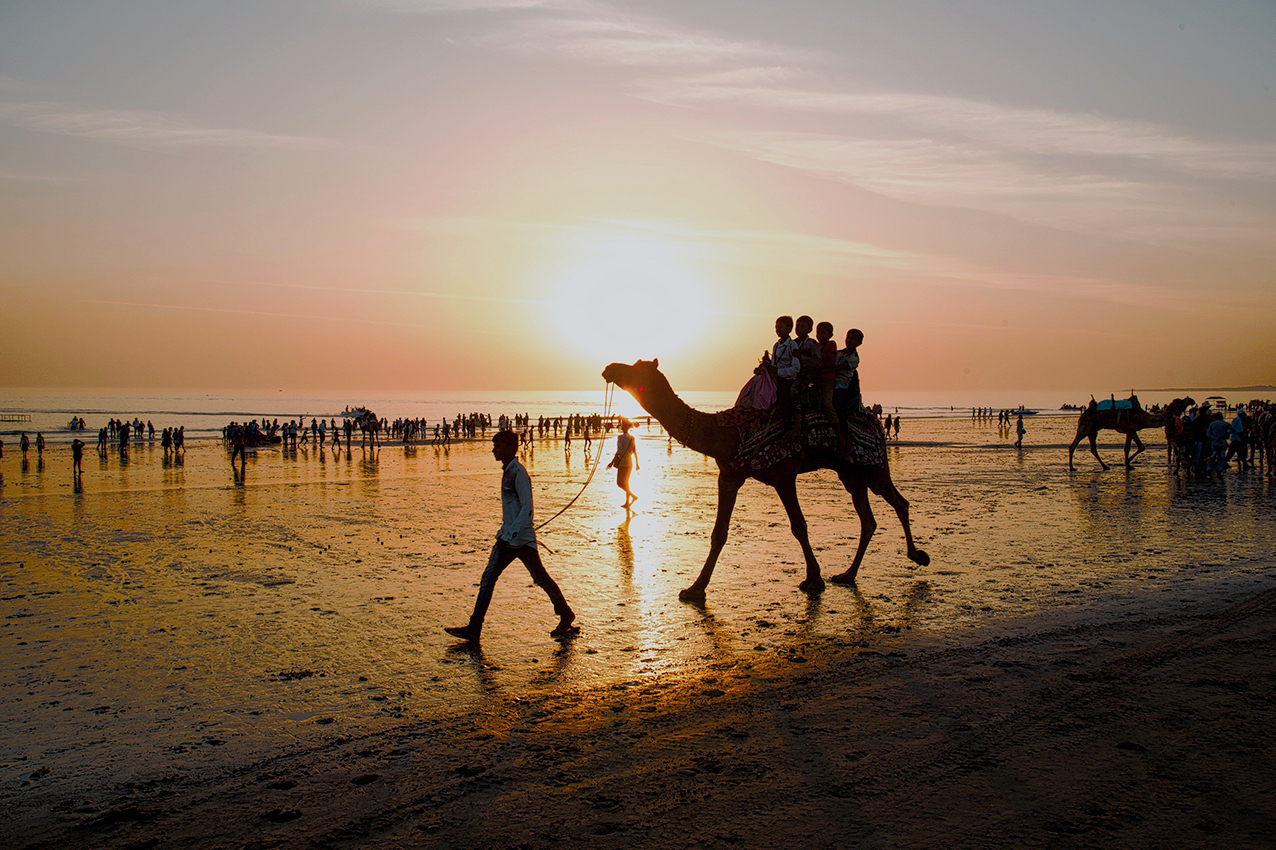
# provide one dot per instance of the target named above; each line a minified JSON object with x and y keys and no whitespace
{"x":1217,"y":402}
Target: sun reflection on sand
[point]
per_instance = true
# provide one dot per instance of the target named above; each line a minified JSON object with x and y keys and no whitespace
{"x":178,"y":598}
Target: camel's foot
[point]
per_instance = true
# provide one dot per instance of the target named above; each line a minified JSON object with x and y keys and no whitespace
{"x":691,"y":594}
{"x":919,"y":557}
{"x":846,"y":579}
{"x":812,"y":585}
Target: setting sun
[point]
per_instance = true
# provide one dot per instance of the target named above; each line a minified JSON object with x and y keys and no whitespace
{"x":630,"y":296}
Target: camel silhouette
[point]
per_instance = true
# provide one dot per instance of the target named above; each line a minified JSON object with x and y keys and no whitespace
{"x":1128,"y":422}
{"x":703,"y":433}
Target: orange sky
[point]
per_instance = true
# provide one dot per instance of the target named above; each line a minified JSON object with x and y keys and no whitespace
{"x":410,"y":194}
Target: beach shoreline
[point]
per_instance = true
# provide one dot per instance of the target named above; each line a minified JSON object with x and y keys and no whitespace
{"x":261,"y":663}
{"x":1143,"y":730}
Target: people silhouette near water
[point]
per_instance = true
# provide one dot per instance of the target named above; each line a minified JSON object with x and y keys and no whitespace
{"x":77,"y":457}
{"x":1019,"y":432}
{"x":516,"y":540}
{"x":625,"y":461}
{"x":238,"y":448}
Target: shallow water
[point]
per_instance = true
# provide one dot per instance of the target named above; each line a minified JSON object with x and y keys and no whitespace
{"x":165,"y":618}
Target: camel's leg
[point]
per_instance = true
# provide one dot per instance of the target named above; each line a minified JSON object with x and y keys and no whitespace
{"x":1094,"y":449}
{"x":1129,"y":458}
{"x":859,"y":497}
{"x":729,"y":484}
{"x":1083,"y":433}
{"x":787,"y":490}
{"x":880,"y":482}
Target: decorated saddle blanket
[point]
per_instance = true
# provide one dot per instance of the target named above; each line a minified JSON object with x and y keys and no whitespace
{"x":764,"y":441}
{"x":1131,"y":403}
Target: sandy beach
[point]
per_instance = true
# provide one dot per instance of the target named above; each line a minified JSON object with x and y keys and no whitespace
{"x":1086,"y":662}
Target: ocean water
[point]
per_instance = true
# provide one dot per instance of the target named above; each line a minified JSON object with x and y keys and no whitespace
{"x":204,"y":414}
{"x":163,"y":618}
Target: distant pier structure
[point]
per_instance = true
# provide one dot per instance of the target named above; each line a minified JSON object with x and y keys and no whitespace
{"x":15,"y":417}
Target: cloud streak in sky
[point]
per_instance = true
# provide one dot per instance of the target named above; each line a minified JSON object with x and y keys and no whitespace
{"x":190,"y":308}
{"x":144,"y":130}
{"x":1081,"y":172}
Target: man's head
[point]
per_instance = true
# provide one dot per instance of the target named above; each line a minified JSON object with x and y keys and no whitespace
{"x":505,"y":446}
{"x":783,"y":326}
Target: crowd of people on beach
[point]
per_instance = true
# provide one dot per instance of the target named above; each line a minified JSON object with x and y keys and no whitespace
{"x":1204,"y":440}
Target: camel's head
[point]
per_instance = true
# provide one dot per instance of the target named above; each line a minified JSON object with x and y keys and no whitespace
{"x":1176,"y":407}
{"x":635,"y":378}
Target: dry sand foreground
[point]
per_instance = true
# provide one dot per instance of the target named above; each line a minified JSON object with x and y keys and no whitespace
{"x":1155,"y":731}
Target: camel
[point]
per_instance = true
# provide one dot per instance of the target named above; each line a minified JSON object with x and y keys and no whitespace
{"x":1128,"y":422}
{"x":369,"y":428}
{"x":701,"y":432}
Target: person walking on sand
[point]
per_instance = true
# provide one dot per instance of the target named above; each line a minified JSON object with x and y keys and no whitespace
{"x":515,"y":540}
{"x":1019,"y":432}
{"x":626,"y":448}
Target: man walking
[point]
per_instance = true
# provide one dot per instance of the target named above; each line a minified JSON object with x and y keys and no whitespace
{"x":515,"y":540}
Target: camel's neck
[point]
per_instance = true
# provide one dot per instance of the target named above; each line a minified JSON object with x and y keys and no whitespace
{"x":695,"y":430}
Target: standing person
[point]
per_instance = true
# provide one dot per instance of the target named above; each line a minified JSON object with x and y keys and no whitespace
{"x":25,"y":444}
{"x":1019,"y":432}
{"x":515,"y":540}
{"x":77,"y":457}
{"x":897,"y":418}
{"x":238,"y":448}
{"x":1236,"y":445}
{"x":626,"y":448}
{"x":39,"y":443}
{"x":1217,"y":432}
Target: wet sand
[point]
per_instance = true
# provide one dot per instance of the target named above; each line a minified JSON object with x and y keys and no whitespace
{"x":1152,"y":732}
{"x":1086,"y":662}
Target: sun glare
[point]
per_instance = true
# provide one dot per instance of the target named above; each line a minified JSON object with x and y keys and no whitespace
{"x":630,"y":297}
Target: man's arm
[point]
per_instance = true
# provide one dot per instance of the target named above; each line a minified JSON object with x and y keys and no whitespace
{"x":523,"y":487}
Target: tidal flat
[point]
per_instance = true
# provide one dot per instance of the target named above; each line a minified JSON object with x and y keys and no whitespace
{"x":170,"y":636}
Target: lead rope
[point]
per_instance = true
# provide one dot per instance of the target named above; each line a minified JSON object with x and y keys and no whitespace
{"x":607,"y":397}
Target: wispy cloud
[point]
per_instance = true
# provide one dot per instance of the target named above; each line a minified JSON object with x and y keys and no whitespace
{"x":188,"y":308}
{"x":145,"y":130}
{"x":408,"y":293}
{"x":623,"y":40}
{"x":608,"y":229}
{"x":997,"y":127}
{"x":25,"y":177}
{"x":1076,"y":171}
{"x":593,"y":32}
{"x":445,"y":6}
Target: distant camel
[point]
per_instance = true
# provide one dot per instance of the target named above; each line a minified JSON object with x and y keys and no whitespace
{"x":701,"y":432}
{"x":369,"y":428}
{"x":1129,"y":421}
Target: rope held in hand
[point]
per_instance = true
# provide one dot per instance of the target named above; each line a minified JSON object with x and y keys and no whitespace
{"x":607,"y":396}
